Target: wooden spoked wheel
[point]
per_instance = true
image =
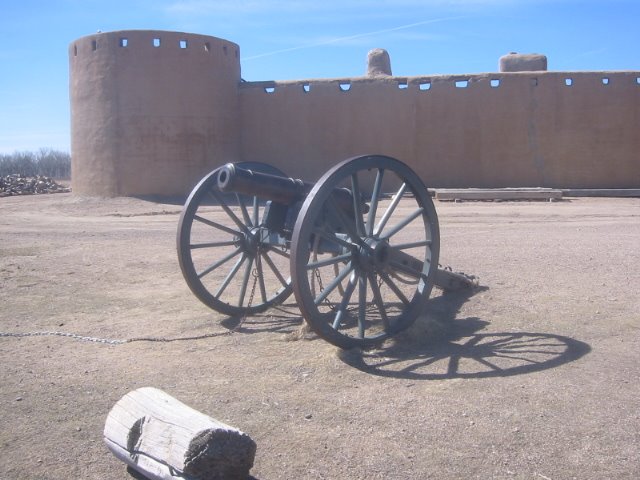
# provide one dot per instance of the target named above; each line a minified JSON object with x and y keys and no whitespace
{"x":229,"y":258}
{"x":363,"y":268}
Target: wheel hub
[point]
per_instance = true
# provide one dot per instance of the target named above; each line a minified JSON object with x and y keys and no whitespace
{"x":250,"y":242}
{"x":373,"y":256}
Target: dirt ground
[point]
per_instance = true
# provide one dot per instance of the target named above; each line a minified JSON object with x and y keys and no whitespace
{"x":535,"y":375}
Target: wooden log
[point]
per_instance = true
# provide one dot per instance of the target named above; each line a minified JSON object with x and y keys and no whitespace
{"x":163,"y":439}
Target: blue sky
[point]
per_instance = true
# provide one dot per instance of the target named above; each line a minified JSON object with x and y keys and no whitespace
{"x":289,"y":39}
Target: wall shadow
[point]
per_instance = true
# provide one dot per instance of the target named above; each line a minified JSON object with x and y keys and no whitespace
{"x":440,"y":347}
{"x":178,"y":200}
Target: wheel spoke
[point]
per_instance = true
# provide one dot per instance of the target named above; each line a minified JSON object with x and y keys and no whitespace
{"x":373,"y":206}
{"x":346,"y":297}
{"x":277,"y":251}
{"x":338,"y":214}
{"x":273,"y":268}
{"x":256,"y":211}
{"x":377,"y":298}
{"x":334,"y":283}
{"x":260,"y":273}
{"x":228,"y":211}
{"x":332,"y":237}
{"x":229,"y":277}
{"x":390,"y":209}
{"x":226,"y":243}
{"x":328,"y":261}
{"x":213,"y":224}
{"x":243,"y":209}
{"x":357,"y":207}
{"x":220,"y":262}
{"x":394,"y":288}
{"x":406,"y":221}
{"x":245,"y":281}
{"x":362,"y":304}
{"x":404,"y":246}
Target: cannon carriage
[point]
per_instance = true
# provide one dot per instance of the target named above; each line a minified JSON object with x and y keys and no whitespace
{"x":359,"y":248}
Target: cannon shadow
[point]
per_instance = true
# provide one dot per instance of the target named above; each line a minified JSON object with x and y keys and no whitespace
{"x":439,"y":346}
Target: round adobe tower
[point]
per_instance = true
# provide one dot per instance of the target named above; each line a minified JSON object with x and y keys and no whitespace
{"x":151,"y":111}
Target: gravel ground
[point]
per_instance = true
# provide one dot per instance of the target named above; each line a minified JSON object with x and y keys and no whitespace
{"x":535,"y":375}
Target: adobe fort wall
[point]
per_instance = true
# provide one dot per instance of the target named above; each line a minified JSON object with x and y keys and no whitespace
{"x":152,"y":119}
{"x":550,"y":129}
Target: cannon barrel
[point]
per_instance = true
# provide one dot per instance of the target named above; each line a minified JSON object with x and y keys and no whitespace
{"x":283,"y":190}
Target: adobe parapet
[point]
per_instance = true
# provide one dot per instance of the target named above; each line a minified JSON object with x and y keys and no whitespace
{"x":153,"y":121}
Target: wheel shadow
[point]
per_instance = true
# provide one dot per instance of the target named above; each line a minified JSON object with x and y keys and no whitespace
{"x":284,"y":318}
{"x":440,"y":347}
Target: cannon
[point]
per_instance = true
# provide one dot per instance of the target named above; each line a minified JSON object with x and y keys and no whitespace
{"x":359,"y":248}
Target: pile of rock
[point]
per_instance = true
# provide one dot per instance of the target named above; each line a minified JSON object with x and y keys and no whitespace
{"x":17,"y":184}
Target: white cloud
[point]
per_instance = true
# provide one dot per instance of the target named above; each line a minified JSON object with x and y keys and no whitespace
{"x":349,"y":40}
{"x":590,"y":53}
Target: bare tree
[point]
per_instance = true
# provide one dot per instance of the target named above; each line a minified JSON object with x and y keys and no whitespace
{"x":47,"y":162}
